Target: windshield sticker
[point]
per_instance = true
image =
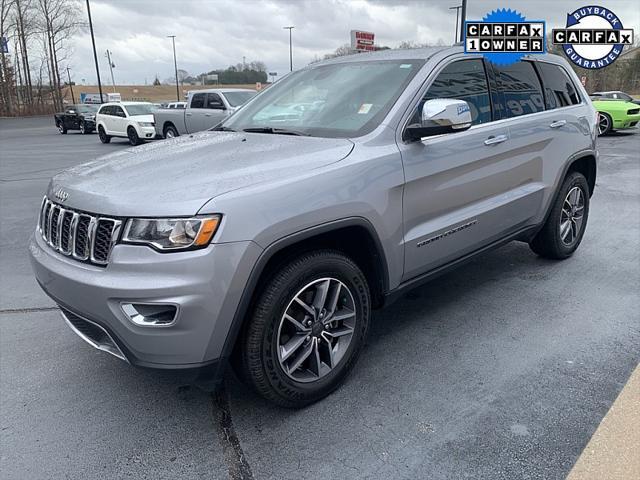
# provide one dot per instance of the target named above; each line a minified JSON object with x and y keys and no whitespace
{"x":364,"y":108}
{"x":504,"y":36}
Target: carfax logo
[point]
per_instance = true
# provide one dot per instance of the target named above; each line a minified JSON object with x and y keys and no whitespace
{"x":593,"y":38}
{"x":504,"y":36}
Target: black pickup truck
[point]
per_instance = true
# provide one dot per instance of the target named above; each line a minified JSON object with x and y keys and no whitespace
{"x":77,"y":117}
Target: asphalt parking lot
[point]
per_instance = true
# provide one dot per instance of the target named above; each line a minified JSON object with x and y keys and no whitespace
{"x":502,"y":369}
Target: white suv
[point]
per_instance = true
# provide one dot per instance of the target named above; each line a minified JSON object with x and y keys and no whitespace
{"x":132,"y":120}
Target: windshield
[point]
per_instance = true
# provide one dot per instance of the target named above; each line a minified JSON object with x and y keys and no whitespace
{"x":337,"y":100}
{"x":87,"y":108}
{"x":236,"y":99}
{"x":139,"y":109}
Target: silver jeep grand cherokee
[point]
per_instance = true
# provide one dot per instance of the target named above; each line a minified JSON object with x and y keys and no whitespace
{"x":269,"y":240}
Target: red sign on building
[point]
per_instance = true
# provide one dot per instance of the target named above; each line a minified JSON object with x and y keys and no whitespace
{"x":362,"y":41}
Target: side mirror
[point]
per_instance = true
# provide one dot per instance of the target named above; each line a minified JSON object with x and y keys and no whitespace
{"x":441,"y":115}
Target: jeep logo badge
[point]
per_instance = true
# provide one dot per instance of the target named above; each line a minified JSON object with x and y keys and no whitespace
{"x":61,"y":195}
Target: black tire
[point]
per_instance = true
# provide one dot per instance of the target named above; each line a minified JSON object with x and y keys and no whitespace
{"x":170,"y":132}
{"x":259,"y":361}
{"x":133,"y":137}
{"x":104,"y":138}
{"x":549,"y":241}
{"x":605,"y":124}
{"x":61,"y":128}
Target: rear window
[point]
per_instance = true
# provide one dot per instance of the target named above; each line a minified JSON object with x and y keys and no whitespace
{"x":519,"y":88}
{"x":559,"y":90}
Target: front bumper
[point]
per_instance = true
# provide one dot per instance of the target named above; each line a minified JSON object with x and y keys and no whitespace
{"x":147,"y":133}
{"x":628,"y":121}
{"x":205,"y":284}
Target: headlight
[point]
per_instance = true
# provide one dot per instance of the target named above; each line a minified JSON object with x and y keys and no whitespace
{"x":145,"y":124}
{"x":171,"y":233}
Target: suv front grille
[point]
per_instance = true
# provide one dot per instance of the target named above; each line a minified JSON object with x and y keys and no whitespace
{"x":84,"y":237}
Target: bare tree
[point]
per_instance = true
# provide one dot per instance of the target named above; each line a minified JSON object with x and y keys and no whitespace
{"x":24,"y":30}
{"x":5,"y":73}
{"x":58,"y":22}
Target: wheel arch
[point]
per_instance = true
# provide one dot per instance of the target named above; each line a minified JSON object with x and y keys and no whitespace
{"x":586,"y":165}
{"x":356,"y":237}
{"x":167,"y":124}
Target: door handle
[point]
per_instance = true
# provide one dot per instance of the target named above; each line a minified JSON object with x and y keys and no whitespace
{"x":558,"y":123}
{"x":495,"y":140}
{"x":187,"y":114}
{"x":207,"y":114}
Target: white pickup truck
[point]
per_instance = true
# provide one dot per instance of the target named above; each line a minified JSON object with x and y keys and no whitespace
{"x":205,"y":109}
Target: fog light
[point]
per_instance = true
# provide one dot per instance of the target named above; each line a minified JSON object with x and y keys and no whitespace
{"x":151,"y":314}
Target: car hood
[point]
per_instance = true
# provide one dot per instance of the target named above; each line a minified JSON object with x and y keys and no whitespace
{"x":142,"y":118}
{"x":178,"y":176}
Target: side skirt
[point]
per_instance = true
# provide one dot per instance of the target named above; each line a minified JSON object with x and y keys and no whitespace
{"x":390,"y":297}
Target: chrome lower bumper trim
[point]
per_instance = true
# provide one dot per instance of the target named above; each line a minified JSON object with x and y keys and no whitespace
{"x":109,"y":347}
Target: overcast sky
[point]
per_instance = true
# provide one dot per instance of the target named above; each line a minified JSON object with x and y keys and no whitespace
{"x":212,"y":34}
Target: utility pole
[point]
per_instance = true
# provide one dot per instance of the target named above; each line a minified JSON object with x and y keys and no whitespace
{"x":455,"y":34}
{"x":95,"y":55}
{"x":111,"y":65}
{"x":175,"y":65}
{"x":290,"y":48}
{"x":462,"y":19}
{"x":73,"y":98}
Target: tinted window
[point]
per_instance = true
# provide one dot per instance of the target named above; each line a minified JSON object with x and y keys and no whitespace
{"x":198,"y":100}
{"x":117,"y":111}
{"x":558,"y":88}
{"x":214,"y":101}
{"x":462,"y":80}
{"x":520,"y":89}
{"x":105,"y":110}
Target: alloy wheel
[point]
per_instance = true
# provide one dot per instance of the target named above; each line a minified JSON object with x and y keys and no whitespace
{"x":572,"y":216}
{"x":316,"y":330}
{"x":603,"y":124}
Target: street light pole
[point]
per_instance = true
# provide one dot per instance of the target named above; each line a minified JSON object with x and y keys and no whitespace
{"x":463,"y":17}
{"x":290,"y":48}
{"x":175,"y":65}
{"x":95,"y":55}
{"x":455,"y":34}
{"x":73,"y":98}
{"x":111,"y":69}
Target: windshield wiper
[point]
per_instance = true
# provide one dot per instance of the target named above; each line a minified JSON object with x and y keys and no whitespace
{"x":276,"y":131}
{"x":222,"y":128}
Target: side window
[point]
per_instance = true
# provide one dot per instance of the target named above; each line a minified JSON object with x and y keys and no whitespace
{"x":214,"y":101}
{"x":462,"y":80}
{"x":558,"y":88}
{"x":105,"y":110}
{"x":118,"y":111}
{"x":197,"y":101}
{"x":520,"y":88}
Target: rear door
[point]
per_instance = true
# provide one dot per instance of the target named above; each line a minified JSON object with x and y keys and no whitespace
{"x":462,"y":190}
{"x":546,"y":123}
{"x":195,"y":114}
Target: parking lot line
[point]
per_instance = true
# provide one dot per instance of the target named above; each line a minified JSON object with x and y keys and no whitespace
{"x":614,"y":449}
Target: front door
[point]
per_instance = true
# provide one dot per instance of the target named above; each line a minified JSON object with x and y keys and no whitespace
{"x":462,"y":189}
